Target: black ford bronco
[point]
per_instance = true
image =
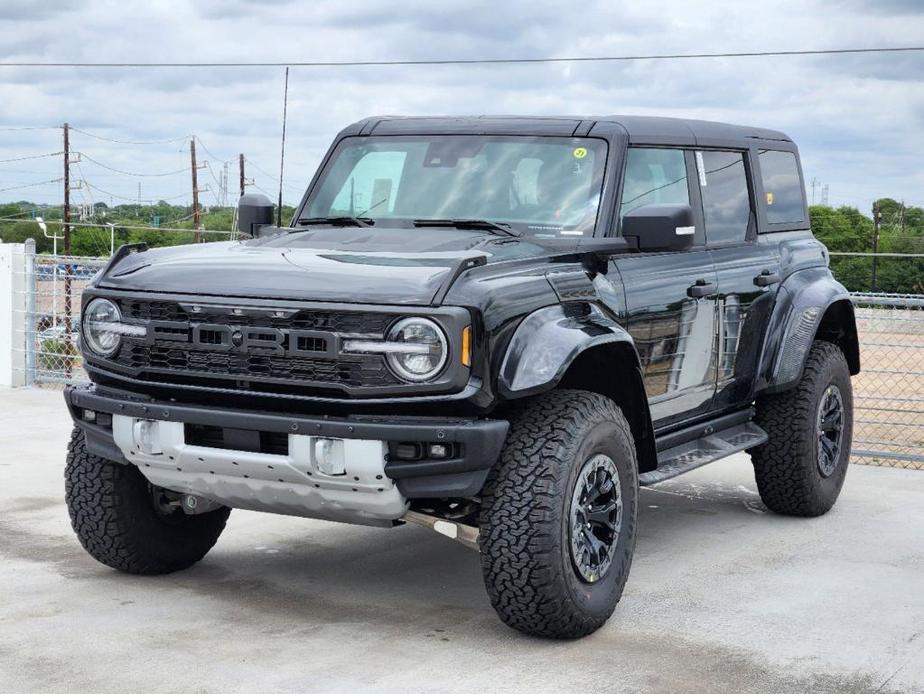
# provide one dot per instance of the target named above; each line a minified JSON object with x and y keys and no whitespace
{"x":494,"y":327}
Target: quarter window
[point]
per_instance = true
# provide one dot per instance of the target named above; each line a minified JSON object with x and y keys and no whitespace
{"x":726,"y":202}
{"x":654,"y":177}
{"x":785,"y":199}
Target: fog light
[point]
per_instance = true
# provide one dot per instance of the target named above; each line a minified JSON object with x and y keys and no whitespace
{"x":328,"y":456}
{"x":89,"y":416}
{"x":146,"y":434}
{"x":439,"y":451}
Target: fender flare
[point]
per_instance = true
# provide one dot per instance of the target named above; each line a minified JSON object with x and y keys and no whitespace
{"x":548,"y":341}
{"x":802,"y":302}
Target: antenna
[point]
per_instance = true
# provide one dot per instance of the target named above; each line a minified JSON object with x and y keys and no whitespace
{"x":282,"y":154}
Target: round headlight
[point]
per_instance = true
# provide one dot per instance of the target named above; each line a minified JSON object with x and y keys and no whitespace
{"x":424,"y":352}
{"x":101,"y":319}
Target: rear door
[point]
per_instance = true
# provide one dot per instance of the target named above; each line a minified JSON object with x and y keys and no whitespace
{"x":748,"y":270}
{"x":670,"y":296}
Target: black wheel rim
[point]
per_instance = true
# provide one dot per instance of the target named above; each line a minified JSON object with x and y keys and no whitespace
{"x":596,"y":517}
{"x":830,"y":423}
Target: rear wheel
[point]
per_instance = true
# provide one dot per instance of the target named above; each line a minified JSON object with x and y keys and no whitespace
{"x":128,"y":524}
{"x":559,"y":515}
{"x":801,"y":468}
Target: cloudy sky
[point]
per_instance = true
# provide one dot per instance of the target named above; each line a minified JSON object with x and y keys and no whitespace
{"x":859,"y":120}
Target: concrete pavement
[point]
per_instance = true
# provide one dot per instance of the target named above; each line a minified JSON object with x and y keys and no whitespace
{"x":723,"y":596}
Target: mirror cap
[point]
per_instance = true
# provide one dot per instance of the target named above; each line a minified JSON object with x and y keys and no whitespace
{"x":660,"y":227}
{"x":254,"y":210}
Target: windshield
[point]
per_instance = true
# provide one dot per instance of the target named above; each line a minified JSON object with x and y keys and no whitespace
{"x":540,"y":186}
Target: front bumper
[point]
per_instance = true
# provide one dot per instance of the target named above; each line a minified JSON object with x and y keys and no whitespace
{"x":478,"y":441}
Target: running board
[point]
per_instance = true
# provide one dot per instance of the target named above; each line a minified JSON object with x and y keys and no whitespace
{"x":707,"y":449}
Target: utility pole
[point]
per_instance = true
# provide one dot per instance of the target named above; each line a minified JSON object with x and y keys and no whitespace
{"x":877,"y":223}
{"x":195,"y":191}
{"x":67,"y":249}
{"x":814,"y":184}
{"x":240,"y":159}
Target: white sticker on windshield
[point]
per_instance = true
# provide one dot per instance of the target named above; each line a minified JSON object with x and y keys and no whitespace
{"x":701,"y":168}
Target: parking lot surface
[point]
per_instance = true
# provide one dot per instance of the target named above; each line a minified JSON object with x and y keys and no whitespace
{"x":723,"y":596}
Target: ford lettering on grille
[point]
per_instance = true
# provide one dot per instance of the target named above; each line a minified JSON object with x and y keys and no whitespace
{"x":243,"y":339}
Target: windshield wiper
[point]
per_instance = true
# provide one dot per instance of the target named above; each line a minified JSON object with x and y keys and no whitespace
{"x":344,"y":221}
{"x":499,"y":228}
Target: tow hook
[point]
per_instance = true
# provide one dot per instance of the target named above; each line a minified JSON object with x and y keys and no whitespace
{"x":465,"y":534}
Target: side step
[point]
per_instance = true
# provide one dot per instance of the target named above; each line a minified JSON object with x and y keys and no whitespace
{"x":706,"y":449}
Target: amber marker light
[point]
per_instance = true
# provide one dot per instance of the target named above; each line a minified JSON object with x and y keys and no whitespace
{"x":467,"y":346}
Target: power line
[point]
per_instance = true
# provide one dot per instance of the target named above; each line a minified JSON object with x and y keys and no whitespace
{"x":130,"y":199}
{"x":209,"y":153}
{"x":127,"y":142}
{"x":132,"y":173}
{"x":32,"y":156}
{"x":32,"y":185}
{"x":30,"y":127}
{"x":471,"y":61}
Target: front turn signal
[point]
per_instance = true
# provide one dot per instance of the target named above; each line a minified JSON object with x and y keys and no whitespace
{"x":467,"y":346}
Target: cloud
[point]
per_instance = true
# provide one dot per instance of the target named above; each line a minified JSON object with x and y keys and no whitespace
{"x":851,"y":115}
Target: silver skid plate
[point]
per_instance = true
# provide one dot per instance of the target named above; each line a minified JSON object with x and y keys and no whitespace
{"x":290,"y":484}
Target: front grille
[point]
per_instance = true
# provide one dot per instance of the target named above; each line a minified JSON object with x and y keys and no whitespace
{"x":361,"y":372}
{"x":353,"y":322}
{"x":167,"y":360}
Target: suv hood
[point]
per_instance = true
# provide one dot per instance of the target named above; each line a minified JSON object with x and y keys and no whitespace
{"x":340,"y":264}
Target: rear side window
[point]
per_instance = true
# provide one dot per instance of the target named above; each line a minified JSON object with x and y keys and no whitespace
{"x":726,"y":202}
{"x":785,"y":199}
{"x":654,"y":177}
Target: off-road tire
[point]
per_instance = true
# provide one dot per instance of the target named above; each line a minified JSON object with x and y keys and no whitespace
{"x":526,"y":558}
{"x":786,"y":466}
{"x":114,"y":516}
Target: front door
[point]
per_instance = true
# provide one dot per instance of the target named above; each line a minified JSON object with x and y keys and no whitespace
{"x":671,"y":297}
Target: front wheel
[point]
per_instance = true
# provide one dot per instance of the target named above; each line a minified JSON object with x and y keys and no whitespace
{"x":801,"y":468}
{"x":123,"y":521}
{"x":558,"y":516}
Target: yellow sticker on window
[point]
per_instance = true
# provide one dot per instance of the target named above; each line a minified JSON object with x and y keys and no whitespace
{"x":769,"y":198}
{"x":580,"y":152}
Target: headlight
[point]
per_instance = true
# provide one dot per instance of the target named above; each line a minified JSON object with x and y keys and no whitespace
{"x":425,"y":349}
{"x":415,"y":349}
{"x":103,"y":327}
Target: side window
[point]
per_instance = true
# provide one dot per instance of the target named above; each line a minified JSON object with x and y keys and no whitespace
{"x":785,"y":199}
{"x":372,"y":184}
{"x":726,"y":203}
{"x":654,"y":177}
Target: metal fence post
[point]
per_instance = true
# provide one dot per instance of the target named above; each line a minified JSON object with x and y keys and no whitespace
{"x":11,"y":315}
{"x":30,"y":288}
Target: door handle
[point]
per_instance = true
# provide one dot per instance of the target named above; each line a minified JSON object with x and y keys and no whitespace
{"x":766,"y":278}
{"x":701,"y":288}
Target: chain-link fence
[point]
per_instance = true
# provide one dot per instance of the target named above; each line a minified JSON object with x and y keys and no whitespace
{"x":888,"y":393}
{"x":51,"y":303}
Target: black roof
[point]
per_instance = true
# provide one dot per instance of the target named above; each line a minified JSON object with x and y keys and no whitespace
{"x":639,"y":129}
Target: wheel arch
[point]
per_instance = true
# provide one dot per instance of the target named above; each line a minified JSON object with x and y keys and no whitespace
{"x":577,"y":346}
{"x":811,"y":305}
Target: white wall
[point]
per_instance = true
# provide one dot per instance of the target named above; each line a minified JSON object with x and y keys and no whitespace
{"x":12,"y":315}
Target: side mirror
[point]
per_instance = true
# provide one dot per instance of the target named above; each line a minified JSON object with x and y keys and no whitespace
{"x":254,"y":210}
{"x":660,"y":227}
